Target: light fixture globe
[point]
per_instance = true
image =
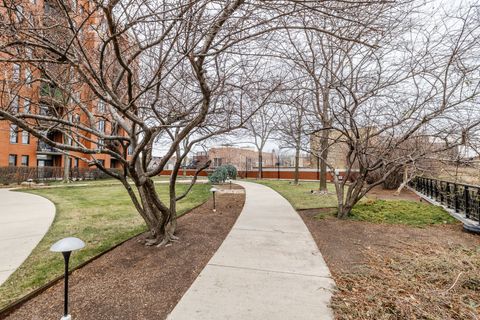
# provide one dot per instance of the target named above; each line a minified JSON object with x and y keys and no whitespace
{"x":67,"y":245}
{"x":213,"y":189}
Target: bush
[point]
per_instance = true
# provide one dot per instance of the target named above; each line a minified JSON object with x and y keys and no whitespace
{"x":219,"y":175}
{"x":231,"y":171}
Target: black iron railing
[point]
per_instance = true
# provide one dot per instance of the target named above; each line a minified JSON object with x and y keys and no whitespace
{"x":464,"y":199}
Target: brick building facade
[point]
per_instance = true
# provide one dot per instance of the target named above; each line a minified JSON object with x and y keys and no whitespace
{"x":28,"y":94}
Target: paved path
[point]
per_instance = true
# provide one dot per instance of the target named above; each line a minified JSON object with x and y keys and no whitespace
{"x":24,"y":220}
{"x":268,"y":267}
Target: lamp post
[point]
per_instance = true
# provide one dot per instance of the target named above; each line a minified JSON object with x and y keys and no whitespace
{"x":214,"y":190}
{"x":66,"y":246}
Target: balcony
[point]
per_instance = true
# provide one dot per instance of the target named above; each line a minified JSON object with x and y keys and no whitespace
{"x":43,"y":148}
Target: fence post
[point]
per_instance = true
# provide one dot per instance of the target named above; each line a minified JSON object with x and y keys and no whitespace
{"x":455,"y":197}
{"x":466,"y":198}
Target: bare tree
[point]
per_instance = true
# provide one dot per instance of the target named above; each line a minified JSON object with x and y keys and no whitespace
{"x":291,"y":126}
{"x":167,"y":72}
{"x":388,"y":99}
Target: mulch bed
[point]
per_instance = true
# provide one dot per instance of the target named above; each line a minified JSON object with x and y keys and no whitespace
{"x":137,"y":282}
{"x":399,"y":272}
{"x":382,"y":194}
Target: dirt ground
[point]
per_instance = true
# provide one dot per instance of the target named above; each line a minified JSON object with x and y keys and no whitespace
{"x":138,"y":282}
{"x":382,"y":194}
{"x":399,"y":272}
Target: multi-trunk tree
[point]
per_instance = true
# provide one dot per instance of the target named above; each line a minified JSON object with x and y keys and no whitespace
{"x":161,"y":72}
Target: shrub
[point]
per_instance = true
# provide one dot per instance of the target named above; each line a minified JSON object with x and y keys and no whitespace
{"x":219,"y":175}
{"x":231,"y":171}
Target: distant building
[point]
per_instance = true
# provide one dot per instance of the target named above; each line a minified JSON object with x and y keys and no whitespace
{"x":241,"y":158}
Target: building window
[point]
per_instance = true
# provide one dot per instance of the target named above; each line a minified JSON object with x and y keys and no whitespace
{"x":75,"y":163}
{"x":74,"y":5}
{"x":101,"y":125}
{"x":130,"y":150}
{"x":25,"y":161}
{"x":15,"y":105}
{"x":101,"y":106}
{"x":217,"y":162}
{"x":25,"y":137}
{"x":13,"y":133}
{"x":26,"y":106}
{"x":29,"y":52}
{"x":12,"y":160}
{"x":16,"y":72}
{"x":19,"y":13}
{"x":28,"y":77}
{"x":102,"y":162}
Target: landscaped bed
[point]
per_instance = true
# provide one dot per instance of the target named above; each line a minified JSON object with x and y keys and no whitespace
{"x":101,"y":215}
{"x":395,"y":257}
{"x":393,"y":271}
{"x":137,"y":282}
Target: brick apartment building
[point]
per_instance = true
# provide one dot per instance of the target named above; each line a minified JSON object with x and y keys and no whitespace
{"x":241,"y":158}
{"x":18,"y":147}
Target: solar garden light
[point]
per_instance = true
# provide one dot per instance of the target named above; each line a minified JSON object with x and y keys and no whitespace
{"x":214,"y":190}
{"x":66,"y":246}
{"x":230,"y":182}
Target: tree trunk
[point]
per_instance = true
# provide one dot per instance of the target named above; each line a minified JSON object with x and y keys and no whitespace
{"x":260,"y":164}
{"x":297,"y":164}
{"x":323,"y":160}
{"x":66,"y":168}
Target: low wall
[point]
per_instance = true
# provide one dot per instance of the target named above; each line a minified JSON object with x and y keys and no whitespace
{"x":267,"y":173}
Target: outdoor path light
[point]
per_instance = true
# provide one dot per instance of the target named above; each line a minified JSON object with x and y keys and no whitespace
{"x":66,"y":246}
{"x":230,"y":182}
{"x":214,"y":190}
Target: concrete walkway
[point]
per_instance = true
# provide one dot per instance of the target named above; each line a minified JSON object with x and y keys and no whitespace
{"x":24,"y":220}
{"x":268,"y":267}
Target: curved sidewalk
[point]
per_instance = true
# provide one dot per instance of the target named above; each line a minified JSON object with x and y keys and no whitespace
{"x":268,"y":267}
{"x":24,"y":220}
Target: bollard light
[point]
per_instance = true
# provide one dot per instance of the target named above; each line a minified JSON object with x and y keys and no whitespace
{"x":66,"y":246}
{"x":214,"y":190}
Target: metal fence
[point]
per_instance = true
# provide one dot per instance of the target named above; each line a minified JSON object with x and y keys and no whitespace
{"x":10,"y":175}
{"x":463,"y":198}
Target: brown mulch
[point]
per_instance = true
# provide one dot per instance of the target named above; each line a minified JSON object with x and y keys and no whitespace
{"x":382,"y":194}
{"x":399,"y":272}
{"x":137,"y":282}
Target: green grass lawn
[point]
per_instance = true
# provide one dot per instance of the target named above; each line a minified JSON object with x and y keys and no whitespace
{"x":300,"y":195}
{"x":401,"y":212}
{"x":102,"y":216}
{"x":377,"y":211}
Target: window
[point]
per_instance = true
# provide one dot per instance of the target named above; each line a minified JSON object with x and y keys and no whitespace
{"x":25,"y":137}
{"x":15,"y":105}
{"x":101,"y":106}
{"x":24,"y":161}
{"x":19,"y":13}
{"x":217,"y":162}
{"x":130,"y":150}
{"x":28,"y":77}
{"x":74,"y":5}
{"x":26,"y":106}
{"x":13,"y":133}
{"x":101,"y":125}
{"x":29,"y":52}
{"x":44,"y":111}
{"x":12,"y":160}
{"x":75,"y":163}
{"x":16,"y":72}
{"x":102,"y":162}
